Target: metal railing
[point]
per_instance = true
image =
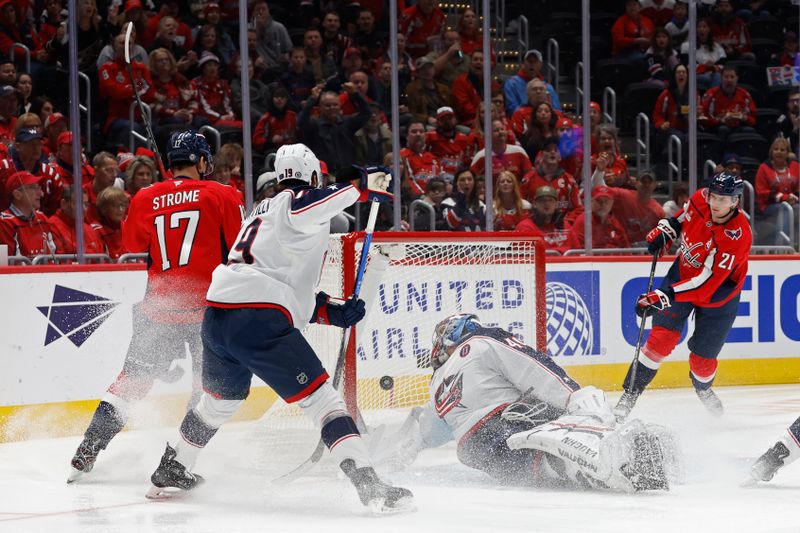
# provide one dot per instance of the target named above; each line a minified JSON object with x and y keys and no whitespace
{"x":500,"y":23}
{"x":750,"y":210}
{"x":709,"y":169}
{"x":425,"y":206}
{"x":135,"y":135}
{"x":213,"y":132}
{"x":132,"y":258}
{"x":25,"y":49}
{"x":19,"y":260}
{"x":674,"y":161}
{"x":772,"y":250}
{"x":552,"y":64}
{"x":70,"y":258}
{"x":579,"y":87}
{"x":87,"y":109}
{"x":786,"y":220}
{"x":607,"y":251}
{"x":523,"y":36}
{"x":610,"y":101}
{"x":642,"y":142}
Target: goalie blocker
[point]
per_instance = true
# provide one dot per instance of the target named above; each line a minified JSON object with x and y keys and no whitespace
{"x":555,"y":433}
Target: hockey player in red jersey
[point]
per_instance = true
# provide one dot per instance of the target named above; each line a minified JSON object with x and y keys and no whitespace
{"x":186,"y":226}
{"x":706,"y":277}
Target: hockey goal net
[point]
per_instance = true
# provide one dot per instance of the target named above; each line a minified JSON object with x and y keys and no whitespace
{"x":419,"y":279}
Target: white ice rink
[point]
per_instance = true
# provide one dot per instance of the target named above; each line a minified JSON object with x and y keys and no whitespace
{"x":449,"y":497}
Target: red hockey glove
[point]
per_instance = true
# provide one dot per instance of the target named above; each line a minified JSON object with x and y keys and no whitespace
{"x":661,"y":237}
{"x":656,"y":299}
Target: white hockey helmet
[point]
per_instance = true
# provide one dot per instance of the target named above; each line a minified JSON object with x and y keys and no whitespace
{"x":448,"y":333}
{"x":297,"y":162}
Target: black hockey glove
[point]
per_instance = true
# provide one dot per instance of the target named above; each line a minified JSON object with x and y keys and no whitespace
{"x":342,"y":315}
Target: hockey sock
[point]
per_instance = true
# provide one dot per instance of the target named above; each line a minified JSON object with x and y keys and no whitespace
{"x":195,"y":434}
{"x":702,"y":371}
{"x":644,"y":375}
{"x":342,"y":438}
{"x":106,"y":423}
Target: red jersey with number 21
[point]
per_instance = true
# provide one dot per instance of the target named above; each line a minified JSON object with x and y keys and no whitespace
{"x":187,"y":227}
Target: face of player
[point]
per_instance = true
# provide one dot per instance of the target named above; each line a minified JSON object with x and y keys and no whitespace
{"x":545,"y":206}
{"x":601,"y":206}
{"x":721,"y":207}
{"x":415,"y":138}
{"x":141,"y":178}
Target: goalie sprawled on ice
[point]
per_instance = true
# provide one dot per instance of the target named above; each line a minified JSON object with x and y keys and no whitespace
{"x":521,"y":419}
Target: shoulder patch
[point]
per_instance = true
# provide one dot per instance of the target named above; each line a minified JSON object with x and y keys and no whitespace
{"x":734,"y":234}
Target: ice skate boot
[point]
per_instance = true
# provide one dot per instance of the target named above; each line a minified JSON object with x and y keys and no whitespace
{"x":711,"y":401}
{"x":169,"y":475}
{"x":767,"y":465}
{"x":646,"y":468}
{"x":625,"y":405}
{"x":374,"y":493}
{"x":84,"y":458}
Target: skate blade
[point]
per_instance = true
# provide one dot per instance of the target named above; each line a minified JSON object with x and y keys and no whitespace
{"x":378,"y":506}
{"x":164,"y":493}
{"x":74,"y":475}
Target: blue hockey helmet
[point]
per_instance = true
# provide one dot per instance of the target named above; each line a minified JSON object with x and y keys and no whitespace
{"x":726,"y":184}
{"x":188,"y":146}
{"x":448,"y":333}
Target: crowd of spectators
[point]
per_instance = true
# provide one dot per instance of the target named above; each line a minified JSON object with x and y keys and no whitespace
{"x":319,"y":73}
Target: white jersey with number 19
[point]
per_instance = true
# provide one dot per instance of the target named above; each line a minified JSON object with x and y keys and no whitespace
{"x":277,"y":259}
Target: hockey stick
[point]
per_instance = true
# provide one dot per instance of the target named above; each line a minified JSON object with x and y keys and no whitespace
{"x":148,"y":128}
{"x":338,"y":373}
{"x":635,"y":362}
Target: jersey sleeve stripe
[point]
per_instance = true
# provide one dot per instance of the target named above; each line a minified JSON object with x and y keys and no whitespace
{"x":700,"y":279}
{"x":300,"y":205}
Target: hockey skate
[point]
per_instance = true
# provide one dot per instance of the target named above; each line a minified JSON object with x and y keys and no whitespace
{"x":711,"y":401}
{"x":374,"y":493}
{"x":767,"y":465}
{"x":625,"y":405}
{"x":84,"y":458}
{"x":169,"y":475}
{"x":645,"y":470}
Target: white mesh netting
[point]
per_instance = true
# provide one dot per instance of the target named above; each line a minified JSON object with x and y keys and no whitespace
{"x":422,"y":282}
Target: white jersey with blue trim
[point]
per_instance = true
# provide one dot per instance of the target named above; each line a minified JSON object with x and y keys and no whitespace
{"x":488,"y":370}
{"x":277,"y":259}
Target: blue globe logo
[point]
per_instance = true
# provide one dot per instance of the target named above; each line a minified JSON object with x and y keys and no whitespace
{"x":569,"y":323}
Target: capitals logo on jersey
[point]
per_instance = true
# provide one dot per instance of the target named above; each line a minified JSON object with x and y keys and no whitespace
{"x":449,"y":394}
{"x":734,"y":234}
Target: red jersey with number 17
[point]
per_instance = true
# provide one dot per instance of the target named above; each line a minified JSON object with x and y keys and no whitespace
{"x":187,"y":227}
{"x":713,"y":257}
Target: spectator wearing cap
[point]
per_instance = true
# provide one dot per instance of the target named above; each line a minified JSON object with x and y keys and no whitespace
{"x":421,"y":24}
{"x":267,"y":185}
{"x":8,"y":112}
{"x":214,"y":94}
{"x":510,"y":208}
{"x":730,"y":163}
{"x":545,"y":221}
{"x":728,"y":108}
{"x":62,"y":226}
{"x":548,"y":171}
{"x":322,"y":65}
{"x":26,"y":154}
{"x":63,"y":167}
{"x":331,"y":135}
{"x":788,"y":56}
{"x":273,"y":42}
{"x":637,"y":210}
{"x":731,"y":32}
{"x":451,"y":62}
{"x":434,"y":196}
{"x":213,"y":17}
{"x":106,"y":170}
{"x":505,"y":157}
{"x":112,"y":207}
{"x":425,"y":94}
{"x":117,"y":92}
{"x":451,"y":147}
{"x":658,"y":11}
{"x":570,"y":146}
{"x":374,"y":139}
{"x":420,"y":165}
{"x":368,"y":38}
{"x":23,"y":228}
{"x":334,"y":42}
{"x":515,"y":89}
{"x":607,"y":230}
{"x":631,"y":34}
{"x":298,"y":78}
{"x":615,"y":168}
{"x":468,"y":90}
{"x":276,"y":127}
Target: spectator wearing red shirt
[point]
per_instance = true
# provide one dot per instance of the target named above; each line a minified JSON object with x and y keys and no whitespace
{"x":728,"y":108}
{"x":505,"y":157}
{"x":63,"y":167}
{"x":117,"y":91}
{"x":14,"y":30}
{"x":175,"y":102}
{"x":468,"y":90}
{"x":451,"y":147}
{"x":278,"y":126}
{"x":671,"y":110}
{"x":616,"y":168}
{"x":421,"y":24}
{"x":62,"y":226}
{"x":181,"y":34}
{"x":23,"y":228}
{"x":658,"y":11}
{"x":470,"y":34}
{"x":214,"y":94}
{"x":112,"y":206}
{"x":777,"y":181}
{"x":635,"y":209}
{"x":731,"y":32}
{"x":360,"y":81}
{"x":536,"y":91}
{"x":510,"y":208}
{"x":607,"y":230}
{"x":631,"y":34}
{"x":544,"y":219}
{"x":54,"y":124}
{"x":26,"y":154}
{"x":106,"y":169}
{"x":541,"y":127}
{"x":570,"y":146}
{"x":420,"y":165}
{"x":548,"y":171}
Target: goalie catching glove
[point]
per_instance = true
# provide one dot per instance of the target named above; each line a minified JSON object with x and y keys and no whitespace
{"x":661,"y":237}
{"x":342,"y":315}
{"x":657,"y":299}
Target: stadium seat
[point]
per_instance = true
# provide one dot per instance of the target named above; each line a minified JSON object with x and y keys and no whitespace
{"x":709,"y":146}
{"x":766,"y":27}
{"x":615,"y":73}
{"x":750,"y":167}
{"x":766,"y":122}
{"x":750,"y":73}
{"x":756,"y":93}
{"x":601,"y":23}
{"x":777,"y":97}
{"x":764,"y":48}
{"x":562,"y":23}
{"x":752,"y":145}
{"x":639,"y":98}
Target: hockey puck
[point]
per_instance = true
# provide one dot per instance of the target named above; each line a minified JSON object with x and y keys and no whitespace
{"x":387,"y":382}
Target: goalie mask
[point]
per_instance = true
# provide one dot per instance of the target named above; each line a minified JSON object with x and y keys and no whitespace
{"x":449,"y":333}
{"x":298,"y":162}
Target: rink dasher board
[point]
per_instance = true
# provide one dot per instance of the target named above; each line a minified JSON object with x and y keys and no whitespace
{"x":64,"y":332}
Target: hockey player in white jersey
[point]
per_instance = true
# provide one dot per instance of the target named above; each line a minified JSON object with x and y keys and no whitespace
{"x":783,"y":452}
{"x":257,"y":304}
{"x":519,"y":417}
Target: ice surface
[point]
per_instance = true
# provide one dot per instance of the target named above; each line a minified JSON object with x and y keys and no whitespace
{"x":449,"y":497}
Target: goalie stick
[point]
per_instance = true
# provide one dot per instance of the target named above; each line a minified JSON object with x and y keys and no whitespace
{"x":151,"y":138}
{"x":634,"y":364}
{"x":316,"y":455}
